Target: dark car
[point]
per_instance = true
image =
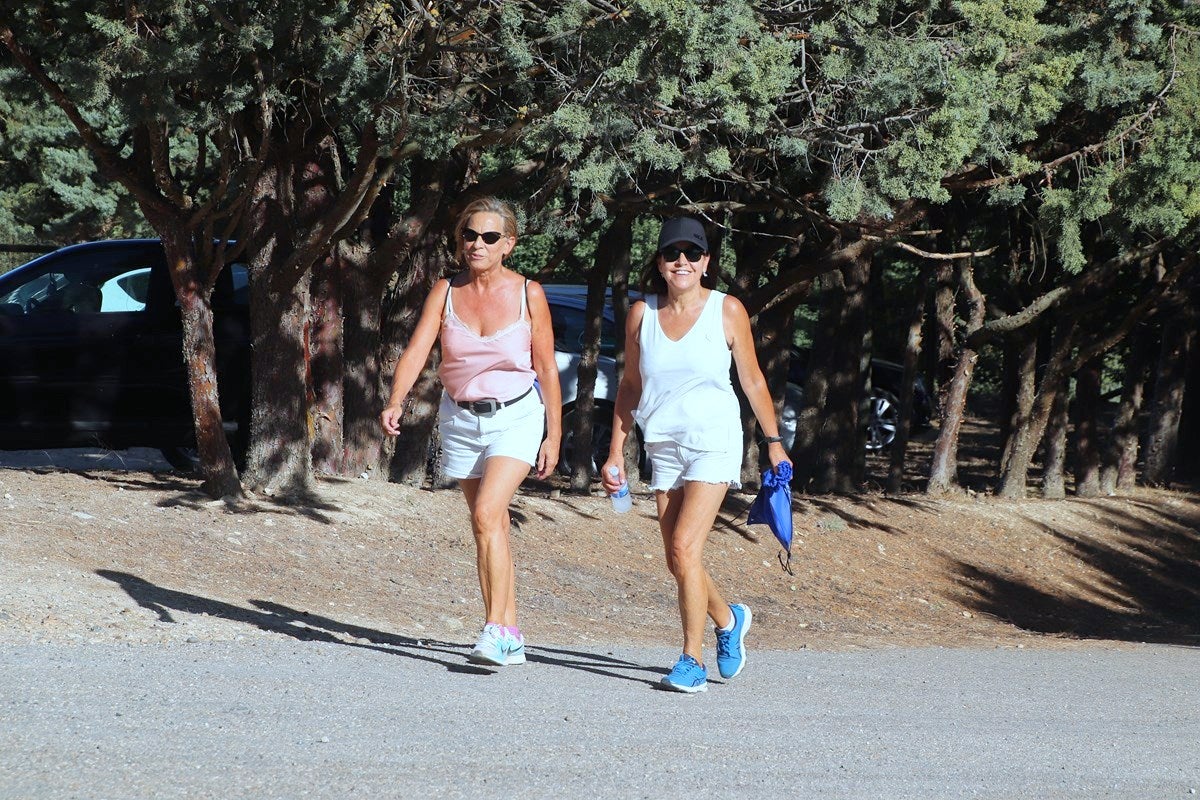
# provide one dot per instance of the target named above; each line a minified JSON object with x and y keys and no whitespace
{"x":568,"y":317}
{"x":91,"y":351}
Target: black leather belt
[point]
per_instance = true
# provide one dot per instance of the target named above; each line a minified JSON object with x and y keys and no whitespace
{"x":489,"y":405}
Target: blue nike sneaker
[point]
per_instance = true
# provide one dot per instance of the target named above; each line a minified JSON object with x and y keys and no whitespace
{"x":687,"y":676}
{"x":731,"y":644}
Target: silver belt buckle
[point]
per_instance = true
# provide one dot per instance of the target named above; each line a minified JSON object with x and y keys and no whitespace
{"x":489,"y":405}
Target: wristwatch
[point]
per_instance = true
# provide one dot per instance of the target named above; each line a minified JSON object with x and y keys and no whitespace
{"x":772,"y":439}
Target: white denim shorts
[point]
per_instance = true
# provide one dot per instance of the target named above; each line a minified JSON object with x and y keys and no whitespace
{"x":671,"y":464}
{"x":469,"y":439}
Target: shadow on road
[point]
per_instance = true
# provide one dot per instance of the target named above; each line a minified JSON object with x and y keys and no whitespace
{"x":308,"y":627}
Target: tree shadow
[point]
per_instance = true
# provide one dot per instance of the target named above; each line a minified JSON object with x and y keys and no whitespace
{"x":1146,"y":586}
{"x":307,"y":627}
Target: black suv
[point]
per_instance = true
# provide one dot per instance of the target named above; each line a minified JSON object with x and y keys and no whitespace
{"x":91,"y":351}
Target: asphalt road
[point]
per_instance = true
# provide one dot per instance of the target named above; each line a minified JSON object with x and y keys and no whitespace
{"x":290,"y":719}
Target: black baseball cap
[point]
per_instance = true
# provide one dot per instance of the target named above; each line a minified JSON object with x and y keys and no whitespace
{"x":682,"y":229}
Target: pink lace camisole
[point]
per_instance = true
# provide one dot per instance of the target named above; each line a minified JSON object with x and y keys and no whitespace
{"x":477,"y":367}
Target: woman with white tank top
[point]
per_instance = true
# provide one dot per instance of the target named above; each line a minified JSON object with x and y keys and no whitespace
{"x":679,"y":346}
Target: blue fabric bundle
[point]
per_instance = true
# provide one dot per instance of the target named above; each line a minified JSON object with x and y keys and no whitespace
{"x":773,"y":507}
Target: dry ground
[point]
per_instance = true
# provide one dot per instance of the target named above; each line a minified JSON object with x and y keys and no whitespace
{"x":143,"y":556}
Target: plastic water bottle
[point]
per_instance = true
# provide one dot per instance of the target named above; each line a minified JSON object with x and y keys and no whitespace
{"x":621,"y":499}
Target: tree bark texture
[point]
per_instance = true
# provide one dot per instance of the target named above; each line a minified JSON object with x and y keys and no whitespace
{"x":328,"y":365}
{"x":1055,"y":450}
{"x":1021,"y":381}
{"x":200,"y":357}
{"x":217,"y":467}
{"x":414,"y":459}
{"x":912,"y":356}
{"x":942,"y":321}
{"x":279,"y":461}
{"x":839,"y":441}
{"x":615,"y":239}
{"x":943,"y":471}
{"x":1118,"y":475}
{"x":827,"y":427}
{"x":1162,"y":440}
{"x":1087,"y":429}
{"x":1021,"y":445}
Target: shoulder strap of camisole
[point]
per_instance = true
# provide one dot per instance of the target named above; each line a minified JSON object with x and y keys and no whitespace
{"x":448,"y":305}
{"x":525,"y":299}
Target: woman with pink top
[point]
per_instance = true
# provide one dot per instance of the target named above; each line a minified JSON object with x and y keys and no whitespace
{"x":496,"y":340}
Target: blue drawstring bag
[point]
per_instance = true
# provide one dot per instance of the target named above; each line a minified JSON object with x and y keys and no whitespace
{"x":773,"y":507}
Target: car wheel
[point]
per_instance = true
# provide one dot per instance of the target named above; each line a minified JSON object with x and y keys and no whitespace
{"x":883,"y":420}
{"x":601,"y":438}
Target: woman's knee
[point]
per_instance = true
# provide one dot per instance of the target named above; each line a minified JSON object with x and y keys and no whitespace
{"x":683,"y":558}
{"x":489,"y":521}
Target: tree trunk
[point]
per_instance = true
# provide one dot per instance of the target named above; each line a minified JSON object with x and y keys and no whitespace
{"x":279,"y":461}
{"x":615,"y":238}
{"x":943,"y":334}
{"x":912,"y":356}
{"x":1022,"y":384}
{"x":773,"y":321}
{"x":1119,"y":473}
{"x":1178,"y":336}
{"x":328,"y":365}
{"x":827,"y":428}
{"x":199,"y":355}
{"x":943,"y":472}
{"x":387,"y":245}
{"x":1087,"y":430}
{"x":363,"y":391}
{"x":1055,"y":447}
{"x":1020,"y":448}
{"x":1188,"y":460}
{"x":414,"y":459}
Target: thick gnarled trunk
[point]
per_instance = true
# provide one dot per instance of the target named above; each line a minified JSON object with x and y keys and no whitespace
{"x":827,"y":429}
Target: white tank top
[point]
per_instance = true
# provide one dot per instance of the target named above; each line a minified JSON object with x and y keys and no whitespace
{"x":687,"y":395}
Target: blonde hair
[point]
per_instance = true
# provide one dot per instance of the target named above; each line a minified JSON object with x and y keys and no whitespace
{"x":487,"y":205}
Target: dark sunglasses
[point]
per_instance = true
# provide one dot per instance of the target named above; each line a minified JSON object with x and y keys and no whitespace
{"x":491,"y":237}
{"x":671,"y":252}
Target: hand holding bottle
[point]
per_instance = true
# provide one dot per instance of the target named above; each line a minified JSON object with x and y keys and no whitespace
{"x":622,"y":501}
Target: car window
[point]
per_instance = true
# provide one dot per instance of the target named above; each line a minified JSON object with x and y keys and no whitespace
{"x":32,"y":290}
{"x":81,"y":287}
{"x":128,"y":291}
{"x":568,"y":324}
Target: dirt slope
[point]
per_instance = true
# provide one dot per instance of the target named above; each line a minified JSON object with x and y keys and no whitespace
{"x":142,"y":556}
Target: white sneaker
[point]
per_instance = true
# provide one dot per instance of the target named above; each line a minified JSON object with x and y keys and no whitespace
{"x":498,"y":647}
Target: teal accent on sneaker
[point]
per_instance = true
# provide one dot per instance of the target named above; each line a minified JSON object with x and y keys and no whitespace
{"x":687,"y":676}
{"x":498,"y":647}
{"x":514,"y":648}
{"x":731,"y":644}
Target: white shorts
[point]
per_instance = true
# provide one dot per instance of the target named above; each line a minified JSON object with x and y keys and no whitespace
{"x":469,"y":439}
{"x":671,"y":464}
